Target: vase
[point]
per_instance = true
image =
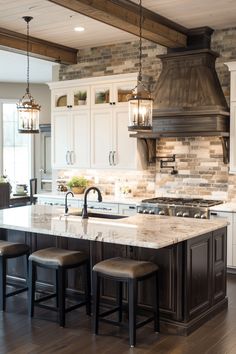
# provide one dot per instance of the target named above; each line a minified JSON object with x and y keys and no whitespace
{"x":78,"y":190}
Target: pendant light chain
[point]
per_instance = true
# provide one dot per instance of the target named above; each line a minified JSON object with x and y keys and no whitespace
{"x":27,"y":89}
{"x":140,"y":40}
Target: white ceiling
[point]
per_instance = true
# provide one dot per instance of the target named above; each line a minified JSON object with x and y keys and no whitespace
{"x":56,"y":24}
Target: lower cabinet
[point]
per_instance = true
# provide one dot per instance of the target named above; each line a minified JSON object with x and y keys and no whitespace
{"x":205,"y":272}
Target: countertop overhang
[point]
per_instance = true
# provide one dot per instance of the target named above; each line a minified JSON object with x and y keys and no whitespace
{"x":149,"y":231}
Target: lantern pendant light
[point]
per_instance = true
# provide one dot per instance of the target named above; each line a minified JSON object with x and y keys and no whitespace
{"x":27,"y":108}
{"x":140,"y":104}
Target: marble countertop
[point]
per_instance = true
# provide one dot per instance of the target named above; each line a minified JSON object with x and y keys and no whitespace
{"x":149,"y":231}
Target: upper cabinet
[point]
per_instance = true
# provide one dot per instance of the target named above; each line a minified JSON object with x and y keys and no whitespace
{"x":72,"y":98}
{"x":232,"y":156}
{"x":111,"y":94}
{"x":90,"y":124}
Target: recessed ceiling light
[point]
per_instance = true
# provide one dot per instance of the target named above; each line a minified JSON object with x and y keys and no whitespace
{"x":79,"y":29}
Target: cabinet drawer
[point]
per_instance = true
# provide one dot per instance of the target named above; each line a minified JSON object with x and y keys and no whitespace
{"x":104,"y":207}
{"x":127,"y":209}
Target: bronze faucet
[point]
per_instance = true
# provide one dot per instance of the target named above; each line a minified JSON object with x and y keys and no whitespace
{"x":66,"y":207}
{"x":85,"y":211}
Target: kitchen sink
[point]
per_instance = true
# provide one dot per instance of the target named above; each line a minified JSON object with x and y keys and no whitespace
{"x":99,"y":215}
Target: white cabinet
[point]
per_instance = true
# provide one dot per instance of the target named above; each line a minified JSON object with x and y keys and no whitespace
{"x":127,"y":209}
{"x":231,"y":234}
{"x":112,"y":93}
{"x":71,"y":139}
{"x":94,"y":133}
{"x":71,"y":98}
{"x":111,"y":146}
{"x":232,"y":157}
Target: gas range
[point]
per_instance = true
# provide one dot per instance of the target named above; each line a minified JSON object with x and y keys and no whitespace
{"x":181,"y":207}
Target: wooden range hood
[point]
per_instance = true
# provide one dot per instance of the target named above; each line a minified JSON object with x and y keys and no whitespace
{"x":188,"y":98}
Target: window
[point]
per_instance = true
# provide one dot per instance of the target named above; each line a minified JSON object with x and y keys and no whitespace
{"x":16,"y":148}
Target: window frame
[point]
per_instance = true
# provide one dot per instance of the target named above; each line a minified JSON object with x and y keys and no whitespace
{"x":32,"y":139}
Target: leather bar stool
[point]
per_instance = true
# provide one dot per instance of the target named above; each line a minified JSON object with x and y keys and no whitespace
{"x":11,"y":250}
{"x":123,"y":270}
{"x":61,"y":260}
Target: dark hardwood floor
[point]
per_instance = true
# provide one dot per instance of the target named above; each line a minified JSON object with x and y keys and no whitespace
{"x":21,"y":335}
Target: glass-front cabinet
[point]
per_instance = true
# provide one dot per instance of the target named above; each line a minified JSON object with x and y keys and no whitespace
{"x":73,"y":98}
{"x":104,"y":95}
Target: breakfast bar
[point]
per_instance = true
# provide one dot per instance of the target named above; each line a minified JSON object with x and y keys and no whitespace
{"x":190,"y":253}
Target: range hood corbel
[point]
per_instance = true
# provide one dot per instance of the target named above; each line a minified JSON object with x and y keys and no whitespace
{"x":149,"y":138}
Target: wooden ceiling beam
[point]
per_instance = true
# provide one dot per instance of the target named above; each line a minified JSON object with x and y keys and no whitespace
{"x":124,"y":14}
{"x":39,"y":48}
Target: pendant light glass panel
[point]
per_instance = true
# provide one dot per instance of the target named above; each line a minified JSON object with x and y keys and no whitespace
{"x":140,"y":113}
{"x":28,"y":115}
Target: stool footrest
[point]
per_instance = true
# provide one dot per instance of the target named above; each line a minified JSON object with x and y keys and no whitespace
{"x":109,"y":312}
{"x":44,"y":298}
{"x":15,"y":292}
{"x":144,"y":322}
{"x":113,"y":322}
{"x":47,"y":307}
{"x":76,"y":306}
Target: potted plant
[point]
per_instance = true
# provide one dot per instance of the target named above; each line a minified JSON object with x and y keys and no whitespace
{"x":77,"y":184}
{"x":82,"y":96}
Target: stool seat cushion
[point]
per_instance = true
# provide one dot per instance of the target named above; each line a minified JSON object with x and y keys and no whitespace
{"x":125,"y":268}
{"x":11,"y":249}
{"x":57,"y":257}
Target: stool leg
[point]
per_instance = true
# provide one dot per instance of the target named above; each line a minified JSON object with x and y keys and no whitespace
{"x":61,"y":295}
{"x":87,"y":289}
{"x":119,"y":289}
{"x":26,"y":267}
{"x":96,"y":290}
{"x":57,"y":291}
{"x":156,"y":304}
{"x":2,"y":283}
{"x":133,"y":287}
{"x":31,"y":287}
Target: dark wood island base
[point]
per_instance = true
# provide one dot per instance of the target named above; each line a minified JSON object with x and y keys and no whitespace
{"x":192,"y":274}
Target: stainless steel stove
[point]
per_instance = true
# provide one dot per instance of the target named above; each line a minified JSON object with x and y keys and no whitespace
{"x":181,"y":207}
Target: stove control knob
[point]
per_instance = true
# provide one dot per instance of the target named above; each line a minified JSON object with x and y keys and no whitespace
{"x":145,"y":211}
{"x":161,"y":212}
{"x":197,"y":216}
{"x":186,"y":215}
{"x":151,"y":212}
{"x":203,"y":216}
{"x":140,"y":211}
{"x":180,"y":213}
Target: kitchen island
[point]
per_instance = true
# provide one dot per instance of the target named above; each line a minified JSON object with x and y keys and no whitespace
{"x":191,"y":255}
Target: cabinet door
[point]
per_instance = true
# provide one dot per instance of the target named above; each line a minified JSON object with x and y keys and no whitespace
{"x":60,"y":100}
{"x":122,"y":92}
{"x":61,"y":142}
{"x":80,"y":97}
{"x":80,"y":154}
{"x":101,"y":138}
{"x":198,"y":286}
{"x":101,"y":95}
{"x":124,"y":147}
{"x":231,"y":238}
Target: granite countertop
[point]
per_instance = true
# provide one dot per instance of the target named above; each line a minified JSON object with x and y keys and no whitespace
{"x":149,"y":231}
{"x":229,"y":207}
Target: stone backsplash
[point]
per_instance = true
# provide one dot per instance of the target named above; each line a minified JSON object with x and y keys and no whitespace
{"x":199,"y":161}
